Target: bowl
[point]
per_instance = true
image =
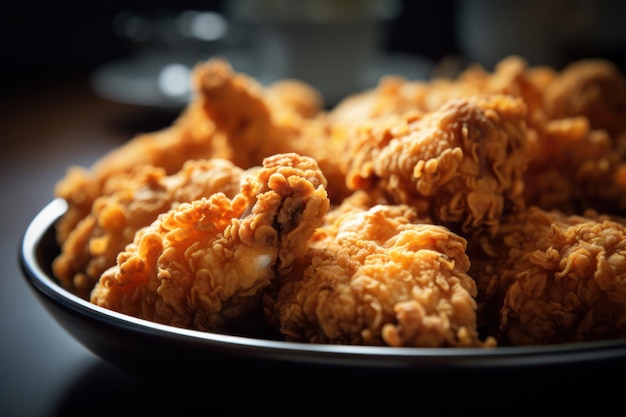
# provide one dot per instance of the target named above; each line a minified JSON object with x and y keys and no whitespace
{"x":476,"y":375}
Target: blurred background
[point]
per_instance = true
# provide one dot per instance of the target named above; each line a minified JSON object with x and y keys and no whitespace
{"x":137,"y":51}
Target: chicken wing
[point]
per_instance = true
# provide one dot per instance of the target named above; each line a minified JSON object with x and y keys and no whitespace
{"x":203,"y":264}
{"x":396,"y":95}
{"x":193,"y":135}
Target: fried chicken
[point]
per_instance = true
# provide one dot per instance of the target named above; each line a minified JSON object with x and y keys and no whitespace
{"x":130,"y":201}
{"x":396,"y":95}
{"x":378,"y":276}
{"x":204,"y":263}
{"x":557,"y":279}
{"x":193,"y":135}
{"x":593,"y":88}
{"x":573,"y":167}
{"x":461,"y":165}
{"x":455,"y":212}
{"x":577,"y":145}
{"x":259,"y":122}
{"x":576,"y":124}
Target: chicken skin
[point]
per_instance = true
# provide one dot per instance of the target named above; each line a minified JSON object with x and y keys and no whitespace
{"x":462,"y":165}
{"x":377,"y":276}
{"x":205,"y":263}
{"x":557,"y":279}
{"x":129,"y":202}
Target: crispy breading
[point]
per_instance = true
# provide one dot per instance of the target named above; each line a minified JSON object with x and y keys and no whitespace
{"x":573,"y":167}
{"x":191,"y":136}
{"x":593,"y":88}
{"x":378,"y":276}
{"x":130,"y":201}
{"x":259,"y":122}
{"x":576,"y":124}
{"x":462,"y":165}
{"x":410,"y":183}
{"x":556,"y":278}
{"x":203,"y":264}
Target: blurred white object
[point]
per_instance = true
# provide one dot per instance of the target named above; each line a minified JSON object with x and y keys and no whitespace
{"x":336,"y":46}
{"x":166,"y":46}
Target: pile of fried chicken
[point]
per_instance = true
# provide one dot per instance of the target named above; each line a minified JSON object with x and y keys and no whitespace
{"x":481,"y":210}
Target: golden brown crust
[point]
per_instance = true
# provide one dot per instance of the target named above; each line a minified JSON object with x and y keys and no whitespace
{"x":377,"y":276}
{"x":258,"y":122}
{"x":130,"y":201}
{"x":414,"y":170}
{"x":557,"y":278}
{"x":593,"y":88}
{"x":462,"y":164}
{"x":203,"y":263}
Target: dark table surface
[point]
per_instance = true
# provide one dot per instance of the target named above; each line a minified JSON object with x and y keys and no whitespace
{"x":43,"y":370}
{"x":44,"y":129}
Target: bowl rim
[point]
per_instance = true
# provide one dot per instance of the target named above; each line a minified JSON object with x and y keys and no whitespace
{"x":371,"y":356}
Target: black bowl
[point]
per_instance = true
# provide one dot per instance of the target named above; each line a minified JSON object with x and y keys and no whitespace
{"x":269,"y":366}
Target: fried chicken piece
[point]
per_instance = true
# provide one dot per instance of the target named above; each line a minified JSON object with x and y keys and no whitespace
{"x":593,"y":88}
{"x":573,"y":167}
{"x":130,"y":201}
{"x":203,"y":264}
{"x":577,"y":146}
{"x":290,"y":99}
{"x":376,"y":276}
{"x":557,"y":278}
{"x":461,"y":165}
{"x":191,"y":136}
{"x":259,"y":122}
{"x":396,"y":95}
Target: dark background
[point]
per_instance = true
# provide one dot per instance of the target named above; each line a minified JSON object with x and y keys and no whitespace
{"x":44,"y":41}
{"x":52,"y":40}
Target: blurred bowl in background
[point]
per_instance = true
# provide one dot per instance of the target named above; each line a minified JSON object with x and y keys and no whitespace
{"x":336,"y":47}
{"x":165,"y":47}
